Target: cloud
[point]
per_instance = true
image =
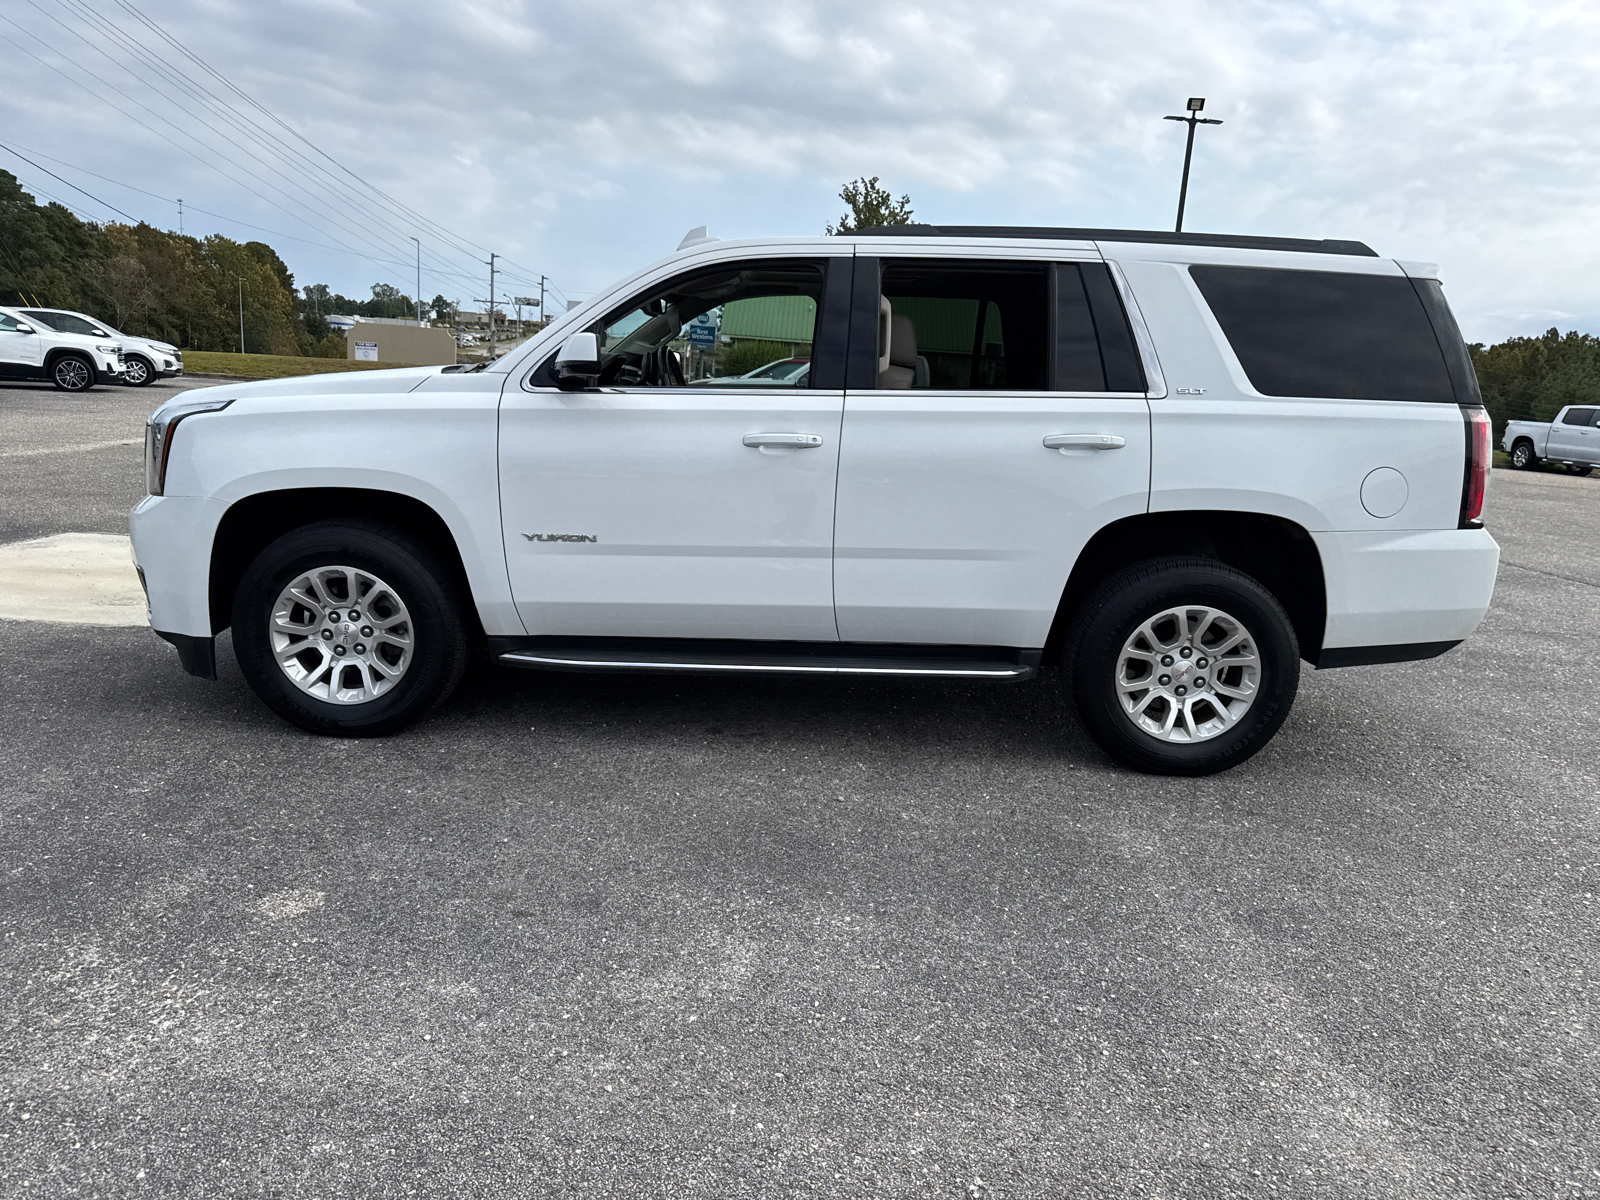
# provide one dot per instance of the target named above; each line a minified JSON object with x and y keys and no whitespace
{"x":582,"y":138}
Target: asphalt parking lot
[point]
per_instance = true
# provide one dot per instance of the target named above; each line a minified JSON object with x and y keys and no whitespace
{"x":665,"y":937}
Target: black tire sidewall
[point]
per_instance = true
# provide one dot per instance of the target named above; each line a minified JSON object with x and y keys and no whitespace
{"x":1114,"y":610}
{"x":88,"y":366}
{"x":425,"y":586}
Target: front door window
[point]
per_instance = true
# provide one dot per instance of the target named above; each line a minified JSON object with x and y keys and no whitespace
{"x":742,"y":324}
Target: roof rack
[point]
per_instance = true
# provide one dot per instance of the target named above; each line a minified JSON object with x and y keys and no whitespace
{"x":1048,"y":233}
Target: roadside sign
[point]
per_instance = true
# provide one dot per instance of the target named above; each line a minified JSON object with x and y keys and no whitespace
{"x":702,"y":335}
{"x":367,"y":351}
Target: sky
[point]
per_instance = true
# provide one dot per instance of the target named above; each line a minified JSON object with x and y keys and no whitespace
{"x":582,"y":140}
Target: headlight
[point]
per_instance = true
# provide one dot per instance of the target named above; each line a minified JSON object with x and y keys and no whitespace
{"x":158,"y":437}
{"x":111,"y":349}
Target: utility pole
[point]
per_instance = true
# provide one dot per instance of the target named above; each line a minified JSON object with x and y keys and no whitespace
{"x":1196,"y":105}
{"x":492,"y":257}
{"x":180,"y":216}
{"x":419,"y":281}
{"x":543,"y":319}
{"x":240,"y":278}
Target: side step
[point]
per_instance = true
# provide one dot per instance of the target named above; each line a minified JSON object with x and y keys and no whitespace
{"x":766,"y":658}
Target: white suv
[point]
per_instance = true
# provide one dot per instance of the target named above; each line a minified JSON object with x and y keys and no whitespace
{"x":1173,"y":465}
{"x":144,"y":359}
{"x":30,"y":349}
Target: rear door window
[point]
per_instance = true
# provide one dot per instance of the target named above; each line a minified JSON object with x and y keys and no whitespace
{"x":1327,"y":333}
{"x":975,"y":326}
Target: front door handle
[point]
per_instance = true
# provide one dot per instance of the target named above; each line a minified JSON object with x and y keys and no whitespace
{"x":789,"y":441}
{"x":1084,"y":441}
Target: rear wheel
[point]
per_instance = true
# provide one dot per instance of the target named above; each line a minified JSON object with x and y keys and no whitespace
{"x":1581,"y":468}
{"x":1523,"y":457}
{"x":72,"y":373}
{"x":350,"y":628}
{"x":1182,"y":666}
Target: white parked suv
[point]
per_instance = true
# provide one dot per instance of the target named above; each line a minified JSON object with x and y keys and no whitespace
{"x":30,"y":349}
{"x":1174,"y":465}
{"x":144,"y":359}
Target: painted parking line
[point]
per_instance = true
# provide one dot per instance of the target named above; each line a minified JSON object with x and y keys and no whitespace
{"x":78,"y":578}
{"x":79,"y":449}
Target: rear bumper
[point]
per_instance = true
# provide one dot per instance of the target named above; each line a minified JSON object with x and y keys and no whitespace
{"x":1399,"y":596}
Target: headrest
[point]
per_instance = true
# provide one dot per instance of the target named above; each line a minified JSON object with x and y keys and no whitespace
{"x":902,"y":342}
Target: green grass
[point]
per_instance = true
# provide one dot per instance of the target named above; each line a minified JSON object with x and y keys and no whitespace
{"x":270,"y":366}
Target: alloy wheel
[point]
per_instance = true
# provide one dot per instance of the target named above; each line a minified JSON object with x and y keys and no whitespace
{"x":341,"y":634}
{"x":1188,"y":674}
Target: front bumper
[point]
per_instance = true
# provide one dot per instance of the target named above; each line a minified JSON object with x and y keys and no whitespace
{"x":172,"y":538}
{"x":1411,"y":594}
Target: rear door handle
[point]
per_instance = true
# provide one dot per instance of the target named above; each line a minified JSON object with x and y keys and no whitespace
{"x":1084,"y":441}
{"x":792,"y":441}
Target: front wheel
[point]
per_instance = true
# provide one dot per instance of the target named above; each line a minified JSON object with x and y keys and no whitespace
{"x":1182,"y":666}
{"x":1523,"y":457}
{"x":72,"y":373}
{"x":136,"y":372}
{"x":350,"y":628}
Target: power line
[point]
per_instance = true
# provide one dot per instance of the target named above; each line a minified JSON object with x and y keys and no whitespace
{"x":248,"y":128}
{"x":68,"y":182}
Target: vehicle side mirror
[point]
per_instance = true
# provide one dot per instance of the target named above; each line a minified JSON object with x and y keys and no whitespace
{"x":578,"y":363}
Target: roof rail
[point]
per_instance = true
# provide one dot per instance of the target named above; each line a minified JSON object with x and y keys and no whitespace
{"x":1049,"y":233}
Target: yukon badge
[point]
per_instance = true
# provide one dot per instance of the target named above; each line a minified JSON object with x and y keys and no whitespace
{"x":561,"y":537}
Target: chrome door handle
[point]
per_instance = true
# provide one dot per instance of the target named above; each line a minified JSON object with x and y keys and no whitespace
{"x":792,"y":441}
{"x":1084,"y":441}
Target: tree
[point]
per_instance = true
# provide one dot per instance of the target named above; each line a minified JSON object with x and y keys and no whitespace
{"x":443,"y":310}
{"x":871,"y":205}
{"x":1533,"y":378}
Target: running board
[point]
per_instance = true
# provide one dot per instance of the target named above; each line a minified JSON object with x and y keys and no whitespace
{"x":766,"y":658}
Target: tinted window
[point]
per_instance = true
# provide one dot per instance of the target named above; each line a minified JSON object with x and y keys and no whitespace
{"x":1094,"y":347}
{"x":1579,"y":416}
{"x":66,"y":323}
{"x":9,"y":324}
{"x":739,"y":324}
{"x":1327,"y":333}
{"x":978,"y":326}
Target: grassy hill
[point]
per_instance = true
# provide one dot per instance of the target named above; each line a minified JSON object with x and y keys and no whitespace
{"x":271,"y":366}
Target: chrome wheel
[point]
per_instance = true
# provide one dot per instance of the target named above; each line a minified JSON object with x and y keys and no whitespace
{"x":341,"y":634}
{"x":136,"y":372}
{"x":1522,"y":456}
{"x":1188,"y":674}
{"x":72,"y":374}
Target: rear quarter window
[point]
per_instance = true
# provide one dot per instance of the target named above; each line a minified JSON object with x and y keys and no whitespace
{"x":1327,"y":333}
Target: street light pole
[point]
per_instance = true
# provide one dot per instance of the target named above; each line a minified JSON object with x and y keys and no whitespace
{"x":240,"y":278}
{"x":1196,"y":105}
{"x":492,"y":257}
{"x":419,"y":281}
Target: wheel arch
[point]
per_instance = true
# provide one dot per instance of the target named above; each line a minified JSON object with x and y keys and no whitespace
{"x":252,"y":522}
{"x":1274,"y":550}
{"x":56,"y":353}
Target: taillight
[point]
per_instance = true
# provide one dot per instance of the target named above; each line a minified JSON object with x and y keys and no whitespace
{"x":1475,"y":481}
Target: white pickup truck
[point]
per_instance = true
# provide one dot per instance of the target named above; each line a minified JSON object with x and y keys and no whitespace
{"x":1171,"y":465}
{"x":1572,"y":438}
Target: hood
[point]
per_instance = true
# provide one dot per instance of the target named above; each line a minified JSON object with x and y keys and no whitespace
{"x":336,"y":383}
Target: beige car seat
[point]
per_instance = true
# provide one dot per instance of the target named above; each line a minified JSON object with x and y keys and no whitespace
{"x":902,"y":369}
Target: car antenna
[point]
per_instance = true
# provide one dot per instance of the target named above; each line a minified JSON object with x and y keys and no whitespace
{"x":695,"y":236}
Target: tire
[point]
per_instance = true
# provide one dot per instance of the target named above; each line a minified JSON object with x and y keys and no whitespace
{"x":1581,"y":468}
{"x":72,"y":373}
{"x":1522,"y":456}
{"x":137,"y":371}
{"x":1123,"y":629}
{"x":406,"y":662}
